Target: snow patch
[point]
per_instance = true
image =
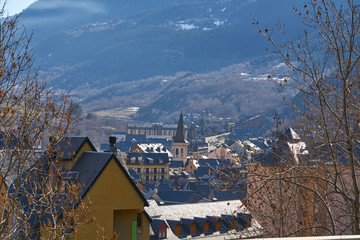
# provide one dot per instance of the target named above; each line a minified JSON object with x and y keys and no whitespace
{"x":217,"y":22}
{"x":133,"y":109}
{"x":187,"y":26}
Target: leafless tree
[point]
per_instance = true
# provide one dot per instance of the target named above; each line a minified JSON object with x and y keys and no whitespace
{"x":31,"y":185}
{"x":324,"y":70}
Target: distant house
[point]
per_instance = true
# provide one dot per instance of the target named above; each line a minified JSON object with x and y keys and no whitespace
{"x":223,"y":154}
{"x":198,"y":148}
{"x":245,"y":148}
{"x":153,"y":130}
{"x":192,"y":165}
{"x":152,"y":167}
{"x":253,"y":127}
{"x":176,"y":165}
{"x":116,"y":202}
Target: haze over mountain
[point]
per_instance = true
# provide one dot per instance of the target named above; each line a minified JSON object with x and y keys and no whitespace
{"x":88,"y":44}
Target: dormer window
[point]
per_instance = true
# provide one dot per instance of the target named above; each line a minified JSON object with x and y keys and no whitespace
{"x":133,"y":160}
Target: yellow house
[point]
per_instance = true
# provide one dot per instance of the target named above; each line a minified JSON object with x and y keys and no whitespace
{"x":115,"y":202}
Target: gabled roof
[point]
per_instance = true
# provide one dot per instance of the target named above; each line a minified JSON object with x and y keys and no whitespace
{"x":212,"y":162}
{"x":91,"y":165}
{"x":70,"y":146}
{"x":290,"y":134}
{"x":157,"y":223}
{"x":180,"y":131}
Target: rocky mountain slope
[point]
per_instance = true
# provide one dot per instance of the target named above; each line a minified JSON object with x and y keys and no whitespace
{"x":117,"y":51}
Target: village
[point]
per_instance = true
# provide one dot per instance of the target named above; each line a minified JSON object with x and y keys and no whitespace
{"x":137,"y":120}
{"x":149,"y":183}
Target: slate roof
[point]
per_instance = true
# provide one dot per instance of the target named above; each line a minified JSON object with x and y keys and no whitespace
{"x":133,"y":174}
{"x":267,"y":159}
{"x":148,"y":158}
{"x":202,"y":171}
{"x":156,"y":224}
{"x":90,"y":166}
{"x":70,"y":146}
{"x":212,"y":162}
{"x":176,"y":164}
{"x":165,"y":186}
{"x":123,"y":146}
{"x":180,"y":131}
{"x":230,"y":194}
{"x":194,"y":198}
{"x":201,"y":188}
{"x":176,"y":197}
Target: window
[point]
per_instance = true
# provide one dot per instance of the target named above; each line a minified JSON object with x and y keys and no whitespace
{"x":138,"y":220}
{"x":155,"y":170}
{"x":155,"y":178}
{"x":147,"y":170}
{"x":163,"y":170}
{"x":139,"y":170}
{"x":147,"y":178}
{"x":177,"y":152}
{"x":182,"y":152}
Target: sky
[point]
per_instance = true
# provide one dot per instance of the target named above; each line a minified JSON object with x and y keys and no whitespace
{"x":16,"y":6}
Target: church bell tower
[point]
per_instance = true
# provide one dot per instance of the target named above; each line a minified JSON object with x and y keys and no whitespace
{"x":179,"y":144}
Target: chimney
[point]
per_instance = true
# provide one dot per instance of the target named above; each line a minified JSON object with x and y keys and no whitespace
{"x":112,"y":147}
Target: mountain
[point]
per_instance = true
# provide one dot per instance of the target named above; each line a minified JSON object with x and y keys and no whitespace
{"x":137,"y":39}
{"x":236,"y":90}
{"x":94,"y":47}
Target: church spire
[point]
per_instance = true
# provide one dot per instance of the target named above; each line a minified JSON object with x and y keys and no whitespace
{"x":180,"y":131}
